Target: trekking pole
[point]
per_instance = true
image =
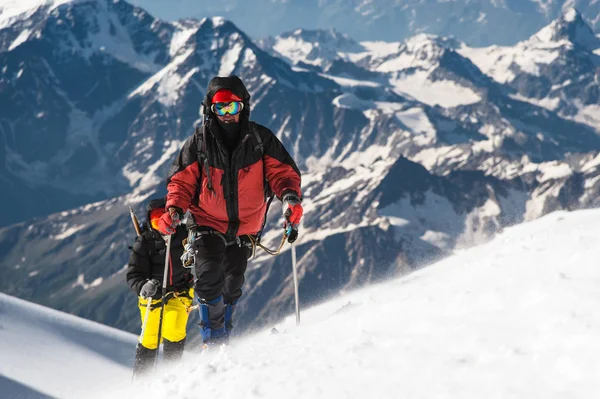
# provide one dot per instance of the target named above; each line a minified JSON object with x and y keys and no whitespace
{"x":292,"y":232}
{"x":164,"y":290}
{"x":148,"y":305}
{"x":295,"y":272}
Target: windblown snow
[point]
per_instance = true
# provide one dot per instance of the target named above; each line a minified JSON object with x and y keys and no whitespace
{"x":516,"y":317}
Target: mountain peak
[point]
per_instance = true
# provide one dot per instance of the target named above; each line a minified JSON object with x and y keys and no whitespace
{"x":570,"y":26}
{"x":223,"y":26}
{"x":324,"y":37}
{"x":12,"y":10}
{"x":571,"y":15}
{"x":427,"y":49}
{"x":427,"y":39}
{"x":317,"y":47}
{"x":215,"y":22}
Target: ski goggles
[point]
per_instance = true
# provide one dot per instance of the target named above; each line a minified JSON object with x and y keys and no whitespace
{"x":231,"y":108}
{"x":155,"y":215}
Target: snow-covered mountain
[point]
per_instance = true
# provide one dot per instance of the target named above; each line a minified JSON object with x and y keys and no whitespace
{"x":558,"y":68}
{"x":516,"y":317}
{"x":477,"y":22}
{"x":408,"y":149}
{"x":50,"y":354}
{"x":66,"y":68}
{"x":97,"y":93}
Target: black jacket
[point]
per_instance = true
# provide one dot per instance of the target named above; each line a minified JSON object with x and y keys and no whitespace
{"x":147,"y":261}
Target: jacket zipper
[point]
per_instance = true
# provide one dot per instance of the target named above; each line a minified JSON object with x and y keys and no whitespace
{"x":232,"y":203}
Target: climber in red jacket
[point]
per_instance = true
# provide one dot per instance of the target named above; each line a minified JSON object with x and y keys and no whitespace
{"x":222,"y":175}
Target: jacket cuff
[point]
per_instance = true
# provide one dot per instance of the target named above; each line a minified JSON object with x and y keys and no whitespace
{"x":291,"y":195}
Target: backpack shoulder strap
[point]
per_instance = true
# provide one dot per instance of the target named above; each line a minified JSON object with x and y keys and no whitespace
{"x":257,"y":144}
{"x":202,"y":155}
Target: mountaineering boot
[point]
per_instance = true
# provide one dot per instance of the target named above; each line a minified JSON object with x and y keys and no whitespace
{"x":212,"y":322}
{"x":144,"y":360}
{"x":172,"y":351}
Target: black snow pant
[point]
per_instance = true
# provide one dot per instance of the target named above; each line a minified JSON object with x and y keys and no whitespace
{"x":220,"y":264}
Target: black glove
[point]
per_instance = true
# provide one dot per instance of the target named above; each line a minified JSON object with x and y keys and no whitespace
{"x":149,"y":288}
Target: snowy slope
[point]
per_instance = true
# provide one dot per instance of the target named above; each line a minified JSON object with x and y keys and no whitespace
{"x":46,"y":352}
{"x":517,"y":317}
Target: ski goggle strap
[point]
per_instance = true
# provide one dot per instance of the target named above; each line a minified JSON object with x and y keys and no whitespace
{"x":231,"y":108}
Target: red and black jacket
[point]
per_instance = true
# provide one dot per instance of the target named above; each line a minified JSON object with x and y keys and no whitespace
{"x":235,"y":203}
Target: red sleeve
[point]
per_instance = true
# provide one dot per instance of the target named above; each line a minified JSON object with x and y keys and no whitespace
{"x":280,"y":169}
{"x":184,"y":177}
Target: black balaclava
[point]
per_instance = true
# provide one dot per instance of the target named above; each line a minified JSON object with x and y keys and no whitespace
{"x":230,"y":133}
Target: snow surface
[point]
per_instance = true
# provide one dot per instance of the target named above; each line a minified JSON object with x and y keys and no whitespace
{"x":379,"y":49}
{"x":112,"y":38}
{"x":296,"y":50}
{"x":167,"y":81}
{"x":152,"y":175}
{"x":496,"y":61}
{"x":11,"y":10}
{"x":181,"y":37}
{"x":514,"y":318}
{"x":553,"y":170}
{"x":589,"y":115}
{"x":22,"y":38}
{"x":445,"y":93}
{"x":418,"y":51}
{"x":351,"y":101}
{"x":80,"y":282}
{"x":417,"y":121}
{"x":67,"y":231}
{"x":47,"y":352}
{"x":230,"y":58}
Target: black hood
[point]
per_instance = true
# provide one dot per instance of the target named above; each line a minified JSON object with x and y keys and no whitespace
{"x":232,"y":83}
{"x":155,"y":203}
